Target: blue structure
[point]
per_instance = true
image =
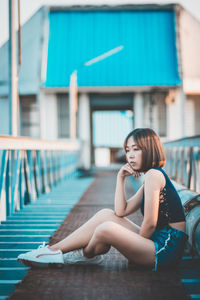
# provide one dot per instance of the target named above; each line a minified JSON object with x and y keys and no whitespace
{"x":149,"y":56}
{"x":56,"y":41}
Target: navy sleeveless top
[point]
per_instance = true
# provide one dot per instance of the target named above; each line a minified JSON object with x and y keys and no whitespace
{"x":170,"y":206}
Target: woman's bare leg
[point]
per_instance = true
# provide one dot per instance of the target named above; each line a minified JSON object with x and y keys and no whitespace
{"x":133,"y":246}
{"x":81,"y":236}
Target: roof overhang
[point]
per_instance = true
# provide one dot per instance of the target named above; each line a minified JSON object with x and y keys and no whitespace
{"x":109,"y":89}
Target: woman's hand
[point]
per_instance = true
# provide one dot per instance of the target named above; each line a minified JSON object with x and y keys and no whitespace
{"x":127,"y":170}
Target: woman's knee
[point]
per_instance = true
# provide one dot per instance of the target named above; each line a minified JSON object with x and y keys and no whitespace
{"x":105,"y":213}
{"x":103,"y":230}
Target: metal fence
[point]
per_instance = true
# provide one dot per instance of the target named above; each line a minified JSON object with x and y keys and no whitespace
{"x":183,"y":161}
{"x":30,"y":167}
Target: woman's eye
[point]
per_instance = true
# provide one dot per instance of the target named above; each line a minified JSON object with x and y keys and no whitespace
{"x":135,"y":149}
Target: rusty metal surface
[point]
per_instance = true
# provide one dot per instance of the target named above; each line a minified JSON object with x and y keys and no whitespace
{"x":114,"y":279}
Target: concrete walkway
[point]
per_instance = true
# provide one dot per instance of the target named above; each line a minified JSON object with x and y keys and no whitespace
{"x":114,"y":279}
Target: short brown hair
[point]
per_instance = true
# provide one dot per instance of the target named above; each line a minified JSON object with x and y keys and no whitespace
{"x":153,"y":154}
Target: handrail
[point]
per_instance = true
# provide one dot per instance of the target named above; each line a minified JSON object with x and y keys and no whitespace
{"x":190,"y":141}
{"x":183,"y":161}
{"x":26,"y":143}
{"x":30,"y":167}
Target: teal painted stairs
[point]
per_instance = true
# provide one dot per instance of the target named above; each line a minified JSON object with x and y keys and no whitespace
{"x":35,"y":223}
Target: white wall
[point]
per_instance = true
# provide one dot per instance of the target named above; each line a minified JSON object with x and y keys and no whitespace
{"x":189,"y":117}
{"x":48,"y":116}
{"x":84,"y":131}
{"x":4,"y":116}
{"x":192,"y":115}
{"x":175,"y":116}
{"x":189,"y":33}
{"x":138,"y":110}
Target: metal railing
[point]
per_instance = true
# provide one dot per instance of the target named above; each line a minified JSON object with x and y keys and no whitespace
{"x":30,"y":167}
{"x":183,"y":161}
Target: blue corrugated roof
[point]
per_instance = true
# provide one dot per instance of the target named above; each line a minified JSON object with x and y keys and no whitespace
{"x":148,"y":58}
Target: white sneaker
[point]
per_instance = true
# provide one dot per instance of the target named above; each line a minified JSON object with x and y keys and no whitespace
{"x":44,"y":256}
{"x":77,"y":257}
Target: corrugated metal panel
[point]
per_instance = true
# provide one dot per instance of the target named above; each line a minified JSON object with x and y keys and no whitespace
{"x":111,"y":127}
{"x":32,"y":37}
{"x":148,"y":58}
{"x":30,"y":73}
{"x":4,"y":113}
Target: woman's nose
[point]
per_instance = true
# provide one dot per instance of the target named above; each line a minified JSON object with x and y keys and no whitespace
{"x":131,"y":154}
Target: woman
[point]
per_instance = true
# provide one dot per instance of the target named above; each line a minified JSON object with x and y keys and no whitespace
{"x":160,"y":240}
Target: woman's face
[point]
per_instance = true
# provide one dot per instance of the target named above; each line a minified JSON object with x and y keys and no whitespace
{"x":133,"y":154}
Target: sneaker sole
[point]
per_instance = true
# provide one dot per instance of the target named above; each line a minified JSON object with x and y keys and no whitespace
{"x":30,"y":263}
{"x":83,"y":263}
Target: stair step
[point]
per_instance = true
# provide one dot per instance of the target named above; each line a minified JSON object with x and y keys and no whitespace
{"x":27,"y":226}
{"x":26,"y":231}
{"x":12,"y":274}
{"x":7,"y":288}
{"x":31,"y":221}
{"x":20,"y":245}
{"x":10,"y":263}
{"x":25,"y":238}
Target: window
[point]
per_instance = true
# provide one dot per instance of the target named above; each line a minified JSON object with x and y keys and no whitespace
{"x":30,"y":125}
{"x":63,"y":115}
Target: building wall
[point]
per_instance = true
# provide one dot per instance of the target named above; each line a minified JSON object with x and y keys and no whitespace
{"x":192,"y":115}
{"x":189,"y":34}
{"x":29,"y":117}
{"x":197,"y":114}
{"x":4,"y":113}
{"x":176,"y":115}
{"x":48,"y":116}
{"x":189,"y":30}
{"x":189,"y":117}
{"x":155,"y":112}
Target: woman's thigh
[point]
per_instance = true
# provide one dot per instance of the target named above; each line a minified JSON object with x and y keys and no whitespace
{"x":133,"y":246}
{"x":128,"y":224}
{"x":109,"y":215}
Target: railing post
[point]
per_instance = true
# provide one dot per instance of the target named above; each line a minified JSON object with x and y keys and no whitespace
{"x":38,"y":172}
{"x":30,"y":167}
{"x":3,"y":199}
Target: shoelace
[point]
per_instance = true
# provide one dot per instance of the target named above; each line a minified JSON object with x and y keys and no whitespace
{"x":42,"y":246}
{"x":76,"y":253}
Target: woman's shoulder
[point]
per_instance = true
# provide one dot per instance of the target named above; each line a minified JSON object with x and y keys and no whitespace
{"x":155,"y":174}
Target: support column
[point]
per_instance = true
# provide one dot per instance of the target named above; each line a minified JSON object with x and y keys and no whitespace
{"x":84,"y":131}
{"x":13,"y":99}
{"x":176,"y":116}
{"x":138,"y":109}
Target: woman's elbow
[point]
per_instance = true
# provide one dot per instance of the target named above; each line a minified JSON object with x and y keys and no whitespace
{"x":119,"y":214}
{"x":151,"y":225}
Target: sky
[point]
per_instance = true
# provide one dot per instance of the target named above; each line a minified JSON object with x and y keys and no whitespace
{"x":29,"y":7}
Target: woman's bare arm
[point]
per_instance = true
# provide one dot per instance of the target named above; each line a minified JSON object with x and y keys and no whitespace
{"x":125,"y":207}
{"x":152,"y":186}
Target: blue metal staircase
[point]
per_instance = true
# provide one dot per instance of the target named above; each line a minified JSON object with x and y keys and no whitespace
{"x":26,"y":229}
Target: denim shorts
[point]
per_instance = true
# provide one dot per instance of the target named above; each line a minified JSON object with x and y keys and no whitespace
{"x":169,"y":243}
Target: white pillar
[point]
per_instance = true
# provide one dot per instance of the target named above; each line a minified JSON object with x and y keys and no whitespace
{"x":13,"y":80}
{"x":48,"y":116}
{"x":176,"y":116}
{"x":84,"y":131}
{"x":138,"y":109}
{"x":190,"y":119}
